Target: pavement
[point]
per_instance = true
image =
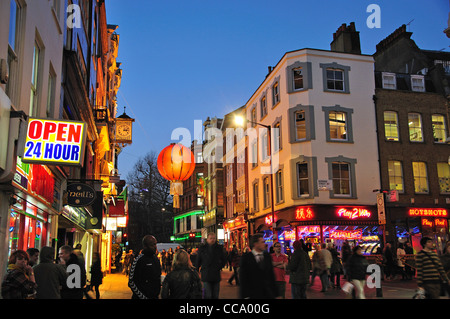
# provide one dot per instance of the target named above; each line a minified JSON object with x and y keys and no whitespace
{"x":115,"y":286}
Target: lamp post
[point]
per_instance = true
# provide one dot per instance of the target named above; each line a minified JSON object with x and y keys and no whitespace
{"x":240,"y":121}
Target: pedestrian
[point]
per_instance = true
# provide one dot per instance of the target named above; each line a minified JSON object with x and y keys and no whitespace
{"x":324,"y":261}
{"x":67,"y":258}
{"x":128,"y":260}
{"x":408,"y":269}
{"x":257,"y":279}
{"x":336,"y":267}
{"x":315,"y":264}
{"x":279,"y":262}
{"x":19,"y":281}
{"x":234,"y":262}
{"x":401,"y":260}
{"x":49,"y":276}
{"x":299,"y":267}
{"x":445,"y":260}
{"x":193,"y":256}
{"x":145,"y":272}
{"x":96,"y":274}
{"x":357,"y":271}
{"x":430,"y":271}
{"x":210,"y":261}
{"x":183,"y":282}
{"x":346,"y":254}
{"x":389,"y":262}
{"x":33,"y":254}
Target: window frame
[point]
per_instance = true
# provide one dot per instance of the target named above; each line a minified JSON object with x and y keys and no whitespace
{"x":390,"y":126}
{"x":415,"y":127}
{"x":312,"y":177}
{"x":345,"y":74}
{"x":348,"y":122}
{"x":394,"y":176}
{"x":307,"y":76}
{"x":279,"y":186}
{"x":352,"y":175}
{"x":255,"y":190}
{"x":422,"y":80}
{"x":443,"y":129}
{"x":266,"y":192}
{"x":309,"y":123}
{"x":421,"y":177}
{"x":386,"y":85}
{"x":439,"y":177}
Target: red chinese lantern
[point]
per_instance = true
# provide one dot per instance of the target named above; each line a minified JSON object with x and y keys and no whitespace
{"x":176,"y":164}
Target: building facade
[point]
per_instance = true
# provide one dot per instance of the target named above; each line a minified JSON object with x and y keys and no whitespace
{"x":412,"y":110}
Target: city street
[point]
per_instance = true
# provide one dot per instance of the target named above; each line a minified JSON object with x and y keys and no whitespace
{"x":115,"y":286}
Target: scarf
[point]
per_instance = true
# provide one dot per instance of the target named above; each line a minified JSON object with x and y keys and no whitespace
{"x":15,"y":267}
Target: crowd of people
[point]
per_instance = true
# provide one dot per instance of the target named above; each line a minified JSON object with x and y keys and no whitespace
{"x":259,"y":272}
{"x":35,"y":274}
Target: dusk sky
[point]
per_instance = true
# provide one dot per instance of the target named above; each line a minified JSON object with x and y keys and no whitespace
{"x":185,"y":60}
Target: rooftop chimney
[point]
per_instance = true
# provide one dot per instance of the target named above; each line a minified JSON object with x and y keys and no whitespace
{"x":346,"y":39}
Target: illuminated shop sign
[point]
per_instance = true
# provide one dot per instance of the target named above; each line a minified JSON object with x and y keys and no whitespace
{"x":431,"y":212}
{"x":438,"y":222}
{"x":304,"y":213}
{"x":354,"y":213}
{"x":308,"y":229}
{"x":346,"y":234}
{"x":54,"y":142}
{"x":269,"y":220}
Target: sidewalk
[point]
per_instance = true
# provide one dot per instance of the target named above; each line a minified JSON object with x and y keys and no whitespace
{"x":115,"y":286}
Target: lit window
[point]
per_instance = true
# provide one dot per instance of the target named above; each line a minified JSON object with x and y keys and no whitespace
{"x":338,"y":127}
{"x":302,"y":179}
{"x":389,"y":81}
{"x":420,"y":177}
{"x":415,"y":127}
{"x":439,"y":131}
{"x":341,"y":178}
{"x":335,"y":80}
{"x":391,"y":126}
{"x":444,"y":177}
{"x":395,"y":176}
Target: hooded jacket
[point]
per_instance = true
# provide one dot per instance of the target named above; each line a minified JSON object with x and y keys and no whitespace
{"x":49,"y":276}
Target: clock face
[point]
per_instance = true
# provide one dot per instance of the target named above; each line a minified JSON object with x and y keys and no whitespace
{"x":124,"y":131}
{"x":94,"y":220}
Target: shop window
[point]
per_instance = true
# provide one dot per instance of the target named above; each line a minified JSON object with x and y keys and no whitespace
{"x":391,"y":126}
{"x":439,"y":130}
{"x":420,"y":177}
{"x":395,"y":173}
{"x":444,"y":177}
{"x":415,"y":127}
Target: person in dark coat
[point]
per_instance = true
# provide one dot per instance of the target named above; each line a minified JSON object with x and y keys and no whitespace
{"x":357,"y":271}
{"x":300,"y":268}
{"x":68,"y":258}
{"x":96,"y":275}
{"x":257,"y":279}
{"x":183,"y":282}
{"x":49,"y":276}
{"x":234,"y":262}
{"x":145,"y":272}
{"x":210,"y":261}
{"x":389,"y":262}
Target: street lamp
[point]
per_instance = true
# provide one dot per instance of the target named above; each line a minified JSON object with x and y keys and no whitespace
{"x":241,"y":121}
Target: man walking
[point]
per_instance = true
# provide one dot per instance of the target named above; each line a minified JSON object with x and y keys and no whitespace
{"x":300,"y":267}
{"x":256,"y":272}
{"x":145,"y":272}
{"x":210,"y":261}
{"x":430,"y":272}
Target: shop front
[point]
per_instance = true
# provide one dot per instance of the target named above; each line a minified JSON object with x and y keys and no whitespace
{"x":317,"y":224}
{"x":236,"y":233}
{"x":410,"y":224}
{"x":33,"y":213}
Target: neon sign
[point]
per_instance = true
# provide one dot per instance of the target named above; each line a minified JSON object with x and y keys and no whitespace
{"x":431,"y":212}
{"x":269,"y":220}
{"x":54,"y":142}
{"x":309,"y":229}
{"x":427,"y":222}
{"x":346,"y":234}
{"x":354,"y":213}
{"x":303,"y":213}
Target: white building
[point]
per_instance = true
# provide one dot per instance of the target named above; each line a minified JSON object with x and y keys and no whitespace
{"x":319,"y":105}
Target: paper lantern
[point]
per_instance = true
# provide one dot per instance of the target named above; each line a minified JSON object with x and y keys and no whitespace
{"x":176,"y":164}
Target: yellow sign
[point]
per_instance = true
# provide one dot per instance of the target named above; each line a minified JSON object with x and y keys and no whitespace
{"x":54,"y":142}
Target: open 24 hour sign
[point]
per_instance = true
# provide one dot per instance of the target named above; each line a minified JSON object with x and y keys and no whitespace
{"x":55,"y":142}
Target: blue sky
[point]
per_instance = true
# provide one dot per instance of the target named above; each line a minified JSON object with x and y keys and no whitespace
{"x":185,"y":60}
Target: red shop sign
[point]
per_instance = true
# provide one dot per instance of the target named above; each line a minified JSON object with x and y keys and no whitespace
{"x":303,"y":213}
{"x":430,"y":212}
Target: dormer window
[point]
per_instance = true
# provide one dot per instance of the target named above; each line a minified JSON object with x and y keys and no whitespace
{"x":389,"y":81}
{"x":417,"y":83}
